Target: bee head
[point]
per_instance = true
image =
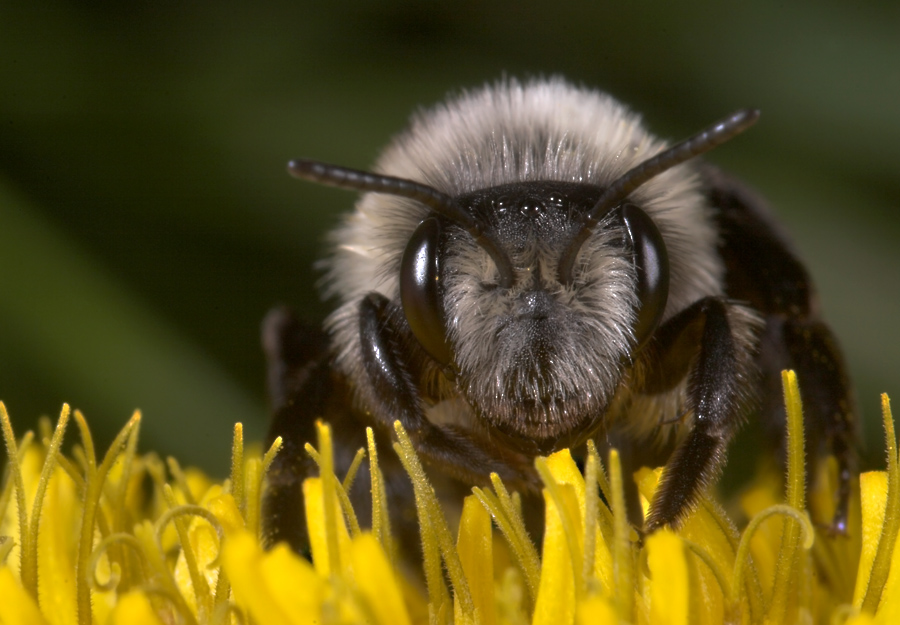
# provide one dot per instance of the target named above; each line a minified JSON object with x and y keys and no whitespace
{"x":535,"y":294}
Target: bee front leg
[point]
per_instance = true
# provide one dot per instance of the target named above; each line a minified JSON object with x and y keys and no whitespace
{"x":394,"y":394}
{"x":713,"y":340}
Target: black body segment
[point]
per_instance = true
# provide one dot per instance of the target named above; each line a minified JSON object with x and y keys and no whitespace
{"x":763,"y":270}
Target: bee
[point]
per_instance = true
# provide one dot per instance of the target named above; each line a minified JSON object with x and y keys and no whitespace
{"x":527,"y":269}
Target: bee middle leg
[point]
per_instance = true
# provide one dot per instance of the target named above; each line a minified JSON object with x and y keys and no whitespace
{"x":710,"y":342}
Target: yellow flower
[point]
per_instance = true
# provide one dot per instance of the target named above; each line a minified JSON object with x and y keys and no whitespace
{"x":83,"y":540}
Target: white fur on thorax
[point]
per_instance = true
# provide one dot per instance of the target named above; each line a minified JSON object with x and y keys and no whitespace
{"x":545,"y":129}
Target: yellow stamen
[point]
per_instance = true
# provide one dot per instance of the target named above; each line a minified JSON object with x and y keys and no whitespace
{"x":881,"y":565}
{"x":354,"y":467}
{"x":788,"y":569}
{"x":381,"y":520}
{"x":509,"y":520}
{"x":429,"y":508}
{"x":237,"y":465}
{"x":340,"y":489}
{"x":270,"y":455}
{"x":622,"y":551}
{"x":95,"y":479}
{"x":29,"y":576}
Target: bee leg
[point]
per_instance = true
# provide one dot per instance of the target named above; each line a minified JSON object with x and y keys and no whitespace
{"x":294,"y":422}
{"x":394,"y":395}
{"x":714,"y":395}
{"x":292,"y":349}
{"x":304,"y":388}
{"x":763,"y":269}
{"x":296,"y":366}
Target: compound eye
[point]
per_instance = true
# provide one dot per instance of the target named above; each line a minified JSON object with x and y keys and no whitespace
{"x":651,"y":261}
{"x":421,"y":290}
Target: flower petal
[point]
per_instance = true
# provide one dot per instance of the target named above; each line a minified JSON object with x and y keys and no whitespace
{"x":597,"y":610}
{"x":475,"y":547}
{"x":377,"y":581}
{"x":564,"y":469}
{"x":275,"y":587}
{"x":293,"y":584}
{"x":17,"y":606}
{"x":873,"y":491}
{"x":316,"y":522}
{"x":57,"y":546}
{"x":555,"y":603}
{"x":668,"y":586}
{"x":134,"y":608}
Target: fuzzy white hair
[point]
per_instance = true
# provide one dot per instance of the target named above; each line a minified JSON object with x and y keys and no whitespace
{"x":541,"y":130}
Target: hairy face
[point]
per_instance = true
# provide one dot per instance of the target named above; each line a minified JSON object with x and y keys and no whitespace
{"x":540,"y":359}
{"x":538,"y":362}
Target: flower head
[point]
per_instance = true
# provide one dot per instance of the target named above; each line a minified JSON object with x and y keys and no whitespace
{"x":133,"y":539}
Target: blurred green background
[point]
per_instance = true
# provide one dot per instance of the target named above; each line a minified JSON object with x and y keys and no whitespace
{"x":147,"y":222}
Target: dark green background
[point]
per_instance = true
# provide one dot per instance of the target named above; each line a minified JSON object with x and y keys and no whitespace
{"x":147,"y":222}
